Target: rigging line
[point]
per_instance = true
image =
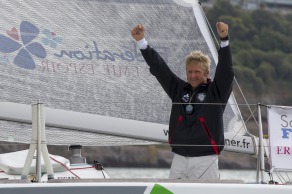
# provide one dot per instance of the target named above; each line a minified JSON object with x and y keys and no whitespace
{"x":231,"y":138}
{"x":269,"y":159}
{"x":242,"y":128}
{"x":196,"y":145}
{"x":154,"y":143}
{"x":245,"y":122}
{"x":214,"y":37}
{"x":280,"y":177}
{"x":180,"y":103}
{"x":287,"y":176}
{"x":65,"y":167}
{"x":264,"y":105}
{"x":245,"y":100}
{"x":208,"y":24}
{"x":216,"y":158}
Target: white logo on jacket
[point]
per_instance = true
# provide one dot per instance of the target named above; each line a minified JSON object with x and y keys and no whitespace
{"x":186,"y":97}
{"x":201,"y":97}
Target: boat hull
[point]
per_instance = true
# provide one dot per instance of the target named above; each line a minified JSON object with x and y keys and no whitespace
{"x":111,"y":186}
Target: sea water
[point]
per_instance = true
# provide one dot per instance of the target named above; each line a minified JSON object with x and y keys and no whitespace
{"x":248,"y":176}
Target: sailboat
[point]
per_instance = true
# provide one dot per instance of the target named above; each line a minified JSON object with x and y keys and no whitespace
{"x":76,"y":61}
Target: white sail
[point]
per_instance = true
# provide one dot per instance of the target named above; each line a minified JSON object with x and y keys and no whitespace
{"x":79,"y":59}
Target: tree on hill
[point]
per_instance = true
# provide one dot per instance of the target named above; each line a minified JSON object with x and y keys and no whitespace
{"x":262,"y":50}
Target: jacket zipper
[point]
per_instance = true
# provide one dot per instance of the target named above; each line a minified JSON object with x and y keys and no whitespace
{"x":178,"y":123}
{"x":209,"y":135}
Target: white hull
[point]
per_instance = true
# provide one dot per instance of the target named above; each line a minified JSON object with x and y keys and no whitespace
{"x":111,"y":186}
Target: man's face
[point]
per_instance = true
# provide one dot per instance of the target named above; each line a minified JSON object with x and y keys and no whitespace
{"x":196,"y":75}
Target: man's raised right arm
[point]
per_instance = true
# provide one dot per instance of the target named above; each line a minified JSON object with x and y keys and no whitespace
{"x":158,"y":66}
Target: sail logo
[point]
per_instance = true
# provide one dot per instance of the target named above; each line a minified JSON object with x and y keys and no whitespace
{"x":165,"y":132}
{"x":23,"y":44}
{"x":285,"y":133}
{"x":92,"y":51}
{"x":285,"y":124}
{"x":280,"y":136}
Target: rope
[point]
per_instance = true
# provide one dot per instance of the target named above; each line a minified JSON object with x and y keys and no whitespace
{"x":213,"y":34}
{"x":65,"y":167}
{"x":180,"y":103}
{"x":216,"y":40}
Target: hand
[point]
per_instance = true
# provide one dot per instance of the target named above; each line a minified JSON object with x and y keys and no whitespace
{"x":138,"y":32}
{"x":222,"y":29}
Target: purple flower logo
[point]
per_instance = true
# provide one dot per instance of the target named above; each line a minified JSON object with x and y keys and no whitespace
{"x":51,"y":38}
{"x":5,"y":59}
{"x":28,"y":32}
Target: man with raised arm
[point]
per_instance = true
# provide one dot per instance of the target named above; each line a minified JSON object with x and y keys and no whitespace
{"x":196,"y":132}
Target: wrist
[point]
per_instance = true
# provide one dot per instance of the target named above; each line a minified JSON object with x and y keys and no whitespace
{"x":142,"y":44}
{"x":225,"y":38}
{"x":224,"y":43}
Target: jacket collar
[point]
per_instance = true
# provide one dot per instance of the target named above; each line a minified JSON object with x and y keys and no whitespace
{"x":189,"y":87}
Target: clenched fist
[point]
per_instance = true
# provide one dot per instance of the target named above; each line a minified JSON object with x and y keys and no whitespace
{"x":138,"y":32}
{"x":222,"y":29}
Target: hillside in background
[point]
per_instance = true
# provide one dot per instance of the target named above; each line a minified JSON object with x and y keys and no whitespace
{"x":262,"y":51}
{"x":261,"y":43}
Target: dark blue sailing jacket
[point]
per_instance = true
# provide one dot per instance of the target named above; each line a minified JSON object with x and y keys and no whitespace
{"x":200,"y":133}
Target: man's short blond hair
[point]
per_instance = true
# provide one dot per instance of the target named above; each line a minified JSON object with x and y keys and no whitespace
{"x":197,"y":57}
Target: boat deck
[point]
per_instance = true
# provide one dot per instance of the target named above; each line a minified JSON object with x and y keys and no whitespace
{"x":121,"y":180}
